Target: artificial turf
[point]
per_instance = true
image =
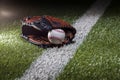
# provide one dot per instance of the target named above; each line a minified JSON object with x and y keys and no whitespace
{"x":16,"y":54}
{"x":98,"y":58}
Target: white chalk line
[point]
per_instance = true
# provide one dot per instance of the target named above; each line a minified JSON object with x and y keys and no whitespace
{"x":49,"y":65}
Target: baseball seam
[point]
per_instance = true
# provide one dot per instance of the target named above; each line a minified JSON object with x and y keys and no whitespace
{"x":53,"y":37}
{"x":58,"y":30}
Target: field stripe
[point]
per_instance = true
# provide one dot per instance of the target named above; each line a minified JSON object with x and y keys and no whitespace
{"x":53,"y":60}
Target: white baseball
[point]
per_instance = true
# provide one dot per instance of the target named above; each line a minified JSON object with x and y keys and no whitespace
{"x":56,"y":36}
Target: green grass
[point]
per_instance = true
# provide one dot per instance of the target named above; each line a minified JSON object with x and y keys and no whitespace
{"x":16,"y":54}
{"x":98,"y":58}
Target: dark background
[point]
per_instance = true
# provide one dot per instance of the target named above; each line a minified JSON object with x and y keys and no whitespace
{"x":44,"y":2}
{"x":21,"y":8}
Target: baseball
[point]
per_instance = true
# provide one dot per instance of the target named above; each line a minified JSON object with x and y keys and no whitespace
{"x":56,"y":36}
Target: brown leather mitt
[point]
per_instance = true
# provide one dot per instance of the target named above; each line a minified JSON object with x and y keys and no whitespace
{"x":35,"y":29}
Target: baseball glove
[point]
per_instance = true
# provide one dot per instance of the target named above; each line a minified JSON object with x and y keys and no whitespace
{"x":35,"y":29}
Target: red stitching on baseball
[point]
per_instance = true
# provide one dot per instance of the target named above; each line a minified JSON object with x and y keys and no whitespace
{"x":53,"y":37}
{"x":58,"y":30}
